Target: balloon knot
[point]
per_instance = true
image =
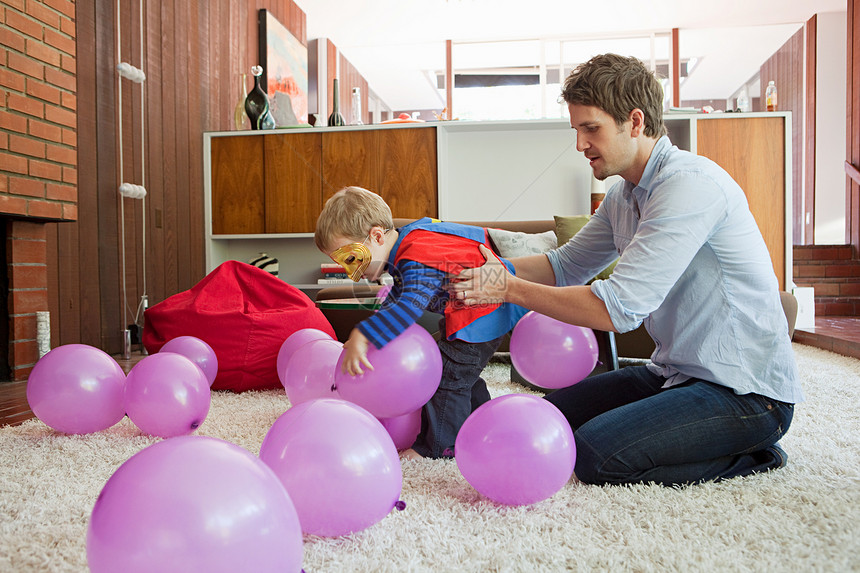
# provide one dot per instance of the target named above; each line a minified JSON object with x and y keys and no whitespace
{"x":599,"y":363}
{"x":334,"y":387}
{"x":400,"y":505}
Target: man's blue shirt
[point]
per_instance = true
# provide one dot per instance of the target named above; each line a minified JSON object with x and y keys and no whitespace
{"x":694,"y":269}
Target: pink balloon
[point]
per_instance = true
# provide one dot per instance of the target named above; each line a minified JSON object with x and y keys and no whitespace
{"x":194,"y":504}
{"x":517,"y":449}
{"x":196,"y":350}
{"x":295,"y":341}
{"x":550,"y":353}
{"x":337,"y":463}
{"x":403,"y":429}
{"x":310,"y":373}
{"x":406,"y":373}
{"x":167,"y":395}
{"x":77,"y":389}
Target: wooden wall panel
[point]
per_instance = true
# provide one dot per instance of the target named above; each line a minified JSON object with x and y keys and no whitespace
{"x":809,"y":145}
{"x":99,"y":292}
{"x":194,"y":53}
{"x":155,"y":177}
{"x":852,"y":155}
{"x":351,"y":78}
{"x":339,"y":67}
{"x":785,"y":67}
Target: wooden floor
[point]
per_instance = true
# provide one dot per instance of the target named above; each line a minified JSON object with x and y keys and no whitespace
{"x":840,"y":334}
{"x":837,"y":334}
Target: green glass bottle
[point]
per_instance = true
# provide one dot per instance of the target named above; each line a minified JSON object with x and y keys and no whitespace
{"x":256,"y":103}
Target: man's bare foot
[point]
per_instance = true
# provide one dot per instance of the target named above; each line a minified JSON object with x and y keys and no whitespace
{"x":410,"y":454}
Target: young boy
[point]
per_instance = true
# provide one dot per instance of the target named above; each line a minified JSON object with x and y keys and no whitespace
{"x":356,"y":229}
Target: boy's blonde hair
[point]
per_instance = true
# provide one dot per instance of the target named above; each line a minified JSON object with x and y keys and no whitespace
{"x":351,"y":213}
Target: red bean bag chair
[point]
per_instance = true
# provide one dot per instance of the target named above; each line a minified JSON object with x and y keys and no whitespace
{"x":244,"y":314}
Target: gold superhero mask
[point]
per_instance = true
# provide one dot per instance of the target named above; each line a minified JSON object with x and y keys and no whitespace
{"x":354,"y":258}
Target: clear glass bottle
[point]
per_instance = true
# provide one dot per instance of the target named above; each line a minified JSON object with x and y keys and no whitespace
{"x":240,"y":118}
{"x":743,"y":101}
{"x":356,"y":106}
{"x":335,"y":119}
{"x":770,"y":96}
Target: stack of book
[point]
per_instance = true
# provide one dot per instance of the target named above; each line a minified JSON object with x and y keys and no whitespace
{"x":334,"y":274}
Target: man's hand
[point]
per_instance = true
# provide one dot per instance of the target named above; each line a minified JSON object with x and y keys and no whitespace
{"x":355,"y":354}
{"x":486,"y":284}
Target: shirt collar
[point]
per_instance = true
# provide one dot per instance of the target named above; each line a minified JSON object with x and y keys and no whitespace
{"x":655,"y":161}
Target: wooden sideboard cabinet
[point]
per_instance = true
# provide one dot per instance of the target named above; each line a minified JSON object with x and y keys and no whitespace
{"x":264,"y":191}
{"x":753,"y":151}
{"x":277,"y":182}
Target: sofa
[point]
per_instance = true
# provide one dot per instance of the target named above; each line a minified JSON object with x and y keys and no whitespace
{"x":518,"y":238}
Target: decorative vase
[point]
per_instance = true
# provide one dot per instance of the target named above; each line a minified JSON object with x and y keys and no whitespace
{"x":335,"y":119}
{"x":239,"y":116}
{"x":268,"y":120}
{"x":256,"y":103}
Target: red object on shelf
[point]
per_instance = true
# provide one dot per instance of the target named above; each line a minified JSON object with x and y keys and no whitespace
{"x":403,"y":118}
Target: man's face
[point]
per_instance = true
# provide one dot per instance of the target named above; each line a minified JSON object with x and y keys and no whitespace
{"x":610,"y":148}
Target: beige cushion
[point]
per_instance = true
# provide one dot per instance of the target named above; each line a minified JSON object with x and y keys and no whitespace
{"x":514,"y":244}
{"x":567,"y":227}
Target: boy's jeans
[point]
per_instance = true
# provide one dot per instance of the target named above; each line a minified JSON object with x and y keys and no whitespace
{"x":630,"y":430}
{"x":461,"y":390}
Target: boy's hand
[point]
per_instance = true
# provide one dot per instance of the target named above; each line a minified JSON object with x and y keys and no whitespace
{"x":355,"y":354}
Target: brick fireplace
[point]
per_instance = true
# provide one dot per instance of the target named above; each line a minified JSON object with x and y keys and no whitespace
{"x":38,"y":158}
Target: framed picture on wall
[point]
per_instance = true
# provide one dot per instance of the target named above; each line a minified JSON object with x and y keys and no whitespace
{"x":285,"y":71}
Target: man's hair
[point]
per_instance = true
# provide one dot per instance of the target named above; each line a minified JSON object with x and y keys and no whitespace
{"x":618,"y":85}
{"x":351,"y":213}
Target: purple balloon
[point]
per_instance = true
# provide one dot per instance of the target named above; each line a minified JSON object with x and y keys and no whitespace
{"x":295,"y":341}
{"x":406,"y":373}
{"x":77,"y":389}
{"x":517,"y":449}
{"x":194,"y":504}
{"x":310,"y":373}
{"x":403,"y":429}
{"x":337,"y":463}
{"x":196,"y":350}
{"x":167,"y":395}
{"x":550,"y":353}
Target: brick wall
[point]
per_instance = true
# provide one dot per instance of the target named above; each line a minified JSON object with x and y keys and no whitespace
{"x":38,"y":153}
{"x":26,"y":250}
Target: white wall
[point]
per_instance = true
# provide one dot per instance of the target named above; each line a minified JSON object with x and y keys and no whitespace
{"x":830,"y":128}
{"x":511,"y":170}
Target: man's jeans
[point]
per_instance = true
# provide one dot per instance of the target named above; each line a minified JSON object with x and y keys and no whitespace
{"x":461,"y":390}
{"x":630,"y":430}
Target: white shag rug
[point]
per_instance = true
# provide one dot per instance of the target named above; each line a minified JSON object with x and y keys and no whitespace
{"x":804,"y":517}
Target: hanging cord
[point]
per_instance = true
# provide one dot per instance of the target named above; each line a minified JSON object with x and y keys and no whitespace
{"x":121,"y":68}
{"x":130,"y":190}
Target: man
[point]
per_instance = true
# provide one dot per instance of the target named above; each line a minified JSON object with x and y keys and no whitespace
{"x":693,"y":267}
